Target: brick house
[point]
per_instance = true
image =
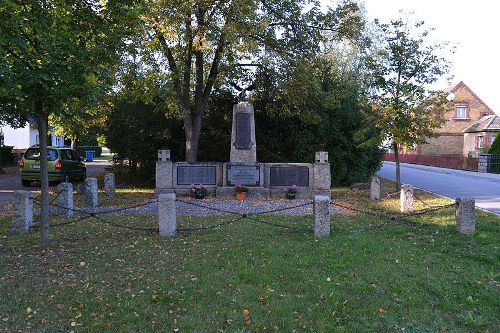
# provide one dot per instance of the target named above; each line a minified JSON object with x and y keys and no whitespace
{"x":479,"y":136}
{"x":467,"y":109}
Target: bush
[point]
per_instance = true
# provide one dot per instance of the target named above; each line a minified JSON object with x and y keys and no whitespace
{"x":6,"y":156}
{"x":495,"y":146}
{"x":82,"y":149}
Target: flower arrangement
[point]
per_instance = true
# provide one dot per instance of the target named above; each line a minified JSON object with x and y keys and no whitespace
{"x":291,"y":192}
{"x":238,"y":188}
{"x":199,"y":191}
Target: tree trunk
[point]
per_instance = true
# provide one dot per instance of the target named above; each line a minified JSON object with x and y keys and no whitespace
{"x":193,"y":131}
{"x":74,"y":142}
{"x":42,"y":122}
{"x":398,"y":171}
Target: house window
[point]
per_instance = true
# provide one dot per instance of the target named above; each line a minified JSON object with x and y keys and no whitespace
{"x":479,"y":142}
{"x":461,"y":112}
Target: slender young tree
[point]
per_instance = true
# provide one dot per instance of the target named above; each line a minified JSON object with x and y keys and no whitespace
{"x":51,"y":52}
{"x":401,"y":71}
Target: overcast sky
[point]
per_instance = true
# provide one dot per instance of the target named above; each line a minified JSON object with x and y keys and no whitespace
{"x":473,"y":26}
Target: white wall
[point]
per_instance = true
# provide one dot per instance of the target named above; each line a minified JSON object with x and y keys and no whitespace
{"x":22,"y":138}
{"x":17,"y":137}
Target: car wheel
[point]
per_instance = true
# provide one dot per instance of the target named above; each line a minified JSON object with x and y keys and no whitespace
{"x":26,"y":182}
{"x":66,"y":178}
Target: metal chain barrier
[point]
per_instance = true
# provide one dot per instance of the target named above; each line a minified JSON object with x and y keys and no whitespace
{"x":249,"y":216}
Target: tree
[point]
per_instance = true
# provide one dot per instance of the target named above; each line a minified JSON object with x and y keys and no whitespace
{"x":495,"y":146}
{"x":401,"y":70}
{"x":199,"y":40}
{"x":50,"y":53}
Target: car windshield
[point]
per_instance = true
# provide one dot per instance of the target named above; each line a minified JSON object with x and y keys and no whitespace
{"x":34,"y":154}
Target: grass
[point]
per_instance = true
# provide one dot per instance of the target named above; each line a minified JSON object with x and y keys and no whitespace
{"x":370,"y":275}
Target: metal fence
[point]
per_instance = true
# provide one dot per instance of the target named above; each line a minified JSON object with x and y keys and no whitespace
{"x":489,"y":163}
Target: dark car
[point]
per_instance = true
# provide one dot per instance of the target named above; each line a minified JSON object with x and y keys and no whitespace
{"x":64,"y":164}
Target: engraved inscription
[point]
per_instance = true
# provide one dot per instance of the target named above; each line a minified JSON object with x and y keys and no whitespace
{"x":243,"y":131}
{"x":289,"y":175}
{"x":248,"y":175}
{"x":196,"y":174}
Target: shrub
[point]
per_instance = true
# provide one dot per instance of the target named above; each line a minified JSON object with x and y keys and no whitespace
{"x":495,"y":146}
{"x":6,"y":156}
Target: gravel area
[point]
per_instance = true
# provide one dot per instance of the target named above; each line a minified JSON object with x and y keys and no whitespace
{"x":205,"y":207}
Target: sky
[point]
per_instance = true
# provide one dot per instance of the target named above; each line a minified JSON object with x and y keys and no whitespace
{"x":472,"y":26}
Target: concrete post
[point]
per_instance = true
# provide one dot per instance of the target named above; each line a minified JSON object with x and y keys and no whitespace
{"x":166,"y":215}
{"x":465,"y":215}
{"x":375,"y":188}
{"x":321,"y":216}
{"x":22,"y":216}
{"x":65,"y":199}
{"x":91,"y":195}
{"x":406,"y":198}
{"x":164,"y":173}
{"x":109,"y":185}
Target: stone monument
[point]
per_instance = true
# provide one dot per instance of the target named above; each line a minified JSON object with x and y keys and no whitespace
{"x":243,"y":145}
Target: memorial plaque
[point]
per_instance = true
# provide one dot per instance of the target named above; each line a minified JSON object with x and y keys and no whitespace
{"x":196,"y":174}
{"x":289,"y":175}
{"x":243,"y":131}
{"x":248,"y":175}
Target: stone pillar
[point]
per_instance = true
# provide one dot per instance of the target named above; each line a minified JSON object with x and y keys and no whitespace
{"x":22,"y":216}
{"x":65,"y":199}
{"x":80,"y":189}
{"x":483,"y":163}
{"x":322,"y":179}
{"x":109,"y":185}
{"x":465,"y":215}
{"x":243,"y":144}
{"x":91,"y":196}
{"x":166,"y":215}
{"x":164,"y":172}
{"x":321,"y":216}
{"x":375,"y":188}
{"x":406,"y":198}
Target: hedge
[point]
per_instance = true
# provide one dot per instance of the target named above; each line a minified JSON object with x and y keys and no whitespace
{"x":82,"y":149}
{"x":7,"y":158}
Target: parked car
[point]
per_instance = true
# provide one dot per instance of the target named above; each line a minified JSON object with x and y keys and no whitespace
{"x":64,"y":164}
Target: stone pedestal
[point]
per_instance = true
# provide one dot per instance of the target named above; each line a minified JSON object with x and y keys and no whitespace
{"x":321,"y":216}
{"x":91,"y":195}
{"x":109,"y":185}
{"x":65,"y":199}
{"x":167,"y":218}
{"x":22,"y":215}
{"x":406,"y":198}
{"x":465,"y":215}
{"x":375,"y":188}
{"x":243,"y":144}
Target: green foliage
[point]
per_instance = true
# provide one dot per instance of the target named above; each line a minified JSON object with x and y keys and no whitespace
{"x":199,"y":40}
{"x":6,"y":156}
{"x":495,"y":146}
{"x":400,"y":71}
{"x":135,"y":130}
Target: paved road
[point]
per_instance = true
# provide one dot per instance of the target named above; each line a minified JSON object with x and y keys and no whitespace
{"x":485,"y":188}
{"x":11,"y":182}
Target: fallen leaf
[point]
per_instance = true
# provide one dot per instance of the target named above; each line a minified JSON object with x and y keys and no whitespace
{"x":246,"y":317}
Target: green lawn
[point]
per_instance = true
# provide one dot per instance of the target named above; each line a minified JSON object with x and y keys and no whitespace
{"x":370,"y":275}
